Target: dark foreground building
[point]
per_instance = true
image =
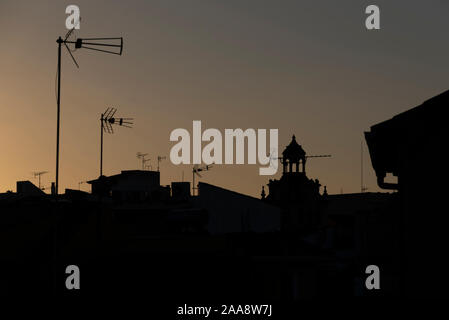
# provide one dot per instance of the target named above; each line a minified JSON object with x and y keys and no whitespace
{"x":411,"y":146}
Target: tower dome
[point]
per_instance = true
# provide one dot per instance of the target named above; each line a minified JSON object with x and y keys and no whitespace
{"x":293,"y":154}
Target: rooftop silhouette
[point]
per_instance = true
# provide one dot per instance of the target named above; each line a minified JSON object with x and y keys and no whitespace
{"x":148,"y":230}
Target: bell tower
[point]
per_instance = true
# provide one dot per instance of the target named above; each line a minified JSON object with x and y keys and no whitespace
{"x":292,"y":157}
{"x":297,"y":196}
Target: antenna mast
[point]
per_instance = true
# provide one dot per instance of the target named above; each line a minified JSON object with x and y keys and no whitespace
{"x":106,"y":121}
{"x":142,"y":156}
{"x":79,"y":43}
{"x":147,"y":166}
{"x":159,"y":159}
{"x":39,"y":174}
{"x":320,"y":156}
{"x":195,"y":171}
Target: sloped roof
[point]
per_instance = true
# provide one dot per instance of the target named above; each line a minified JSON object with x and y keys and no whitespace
{"x":123,"y":174}
{"x":385,"y":138}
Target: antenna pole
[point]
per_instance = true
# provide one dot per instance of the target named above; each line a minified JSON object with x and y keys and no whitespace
{"x":79,"y":44}
{"x":159,"y":159}
{"x":101,"y":146}
{"x":59,"y":41}
{"x":193,"y":182}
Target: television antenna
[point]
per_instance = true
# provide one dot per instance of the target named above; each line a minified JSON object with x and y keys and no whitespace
{"x":107,"y":44}
{"x":195,"y":171}
{"x":39,"y":174}
{"x":320,"y":156}
{"x":142,"y":157}
{"x":147,"y":166}
{"x":107,"y":120}
{"x":159,"y":159}
{"x":273,"y":157}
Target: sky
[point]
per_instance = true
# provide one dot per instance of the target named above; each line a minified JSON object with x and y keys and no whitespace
{"x":308,"y":68}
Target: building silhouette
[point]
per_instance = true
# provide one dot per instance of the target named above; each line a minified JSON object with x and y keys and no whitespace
{"x":296,"y":194}
{"x":232,"y":212}
{"x":296,"y":241}
{"x":410,"y":147}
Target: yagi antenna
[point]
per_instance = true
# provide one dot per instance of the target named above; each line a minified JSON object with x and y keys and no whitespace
{"x":195,"y":171}
{"x":142,"y":156}
{"x":107,"y":120}
{"x":65,"y":42}
{"x":147,"y":165}
{"x":39,"y":174}
{"x":106,"y":45}
{"x":81,"y":43}
{"x":86,"y":43}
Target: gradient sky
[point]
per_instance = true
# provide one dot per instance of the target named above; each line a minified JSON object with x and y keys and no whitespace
{"x":309,"y":68}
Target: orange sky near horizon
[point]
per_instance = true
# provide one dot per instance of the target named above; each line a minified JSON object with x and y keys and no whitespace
{"x":306,"y":68}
